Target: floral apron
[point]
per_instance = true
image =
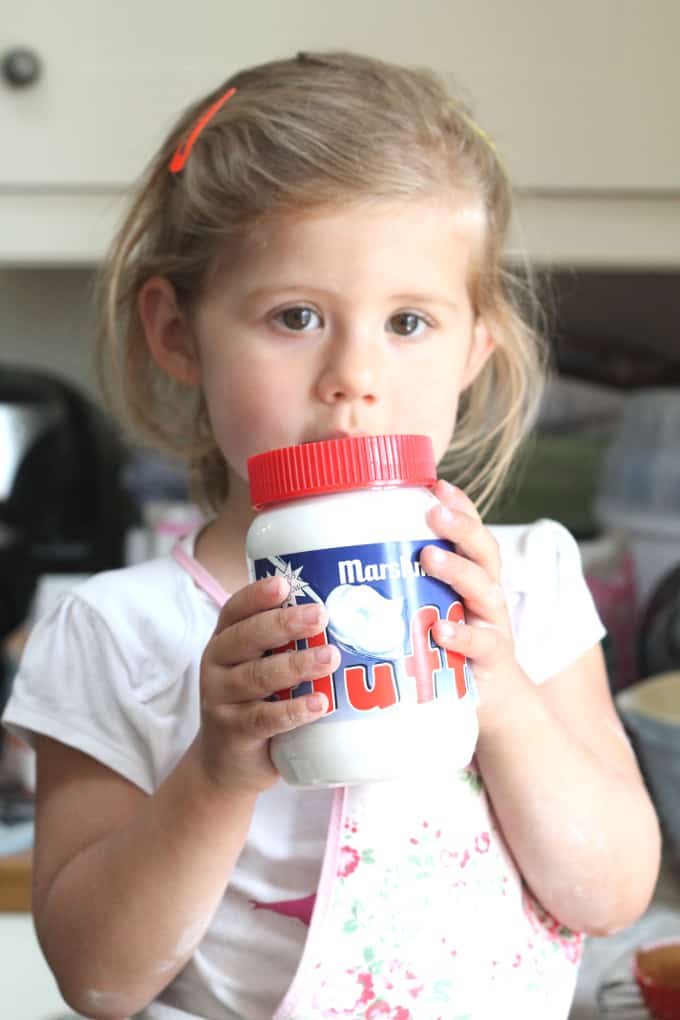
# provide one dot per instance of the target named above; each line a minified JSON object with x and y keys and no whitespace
{"x":421,"y":915}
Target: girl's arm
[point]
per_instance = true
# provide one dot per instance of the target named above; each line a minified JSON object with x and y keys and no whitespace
{"x":570,"y":800}
{"x":126,"y":884}
{"x":555,"y":760}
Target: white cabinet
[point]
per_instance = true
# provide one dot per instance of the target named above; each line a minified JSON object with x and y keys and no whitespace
{"x":580,"y":98}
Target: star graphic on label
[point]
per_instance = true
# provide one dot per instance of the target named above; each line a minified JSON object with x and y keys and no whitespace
{"x":298,"y":587}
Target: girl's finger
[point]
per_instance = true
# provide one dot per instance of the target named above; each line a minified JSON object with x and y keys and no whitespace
{"x":259,"y":678}
{"x":481,"y":595}
{"x":260,"y":720}
{"x":479,"y":644}
{"x":454,"y":498}
{"x":253,"y":598}
{"x":470,"y":537}
{"x":265,"y":631}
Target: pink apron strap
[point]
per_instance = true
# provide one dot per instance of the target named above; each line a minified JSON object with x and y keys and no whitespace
{"x":329,"y":873}
{"x":200,"y":575}
{"x":329,"y":866}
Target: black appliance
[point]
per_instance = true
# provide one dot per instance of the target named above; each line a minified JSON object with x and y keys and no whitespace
{"x":63,"y":508}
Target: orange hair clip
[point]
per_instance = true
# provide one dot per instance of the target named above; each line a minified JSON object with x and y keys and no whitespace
{"x":178,"y":161}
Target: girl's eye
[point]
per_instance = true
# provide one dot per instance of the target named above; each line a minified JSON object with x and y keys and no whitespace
{"x":299,"y":319}
{"x":407,"y":324}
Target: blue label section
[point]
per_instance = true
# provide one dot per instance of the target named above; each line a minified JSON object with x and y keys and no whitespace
{"x":382,"y":607}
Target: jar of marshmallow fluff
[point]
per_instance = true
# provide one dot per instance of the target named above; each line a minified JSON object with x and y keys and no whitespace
{"x":344,"y":522}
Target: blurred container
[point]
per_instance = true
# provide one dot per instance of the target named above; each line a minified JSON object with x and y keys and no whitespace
{"x":609,"y":572}
{"x":651,"y":714}
{"x":657,"y":971}
{"x":659,"y":631}
{"x":556,"y":476}
{"x":640,"y":485}
{"x":558,"y":470}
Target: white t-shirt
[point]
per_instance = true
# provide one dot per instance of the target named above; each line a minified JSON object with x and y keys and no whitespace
{"x":113,"y":670}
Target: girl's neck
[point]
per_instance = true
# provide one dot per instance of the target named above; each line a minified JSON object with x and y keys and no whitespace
{"x":220,"y":546}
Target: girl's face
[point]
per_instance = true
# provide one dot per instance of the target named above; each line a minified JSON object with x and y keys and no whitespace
{"x":340,"y":322}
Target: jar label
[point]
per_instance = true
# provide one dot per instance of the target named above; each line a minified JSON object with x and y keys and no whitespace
{"x":382,"y":607}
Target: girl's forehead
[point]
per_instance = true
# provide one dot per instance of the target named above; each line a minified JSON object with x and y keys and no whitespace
{"x":383,"y":247}
{"x":459,"y":211}
{"x":360,"y":229}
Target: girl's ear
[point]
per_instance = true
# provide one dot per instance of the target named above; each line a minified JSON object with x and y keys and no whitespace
{"x":167,"y":331}
{"x":481,"y":347}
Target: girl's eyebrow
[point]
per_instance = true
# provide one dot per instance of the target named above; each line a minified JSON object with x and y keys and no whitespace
{"x":405,"y":298}
{"x":426,"y":299}
{"x":283,"y":288}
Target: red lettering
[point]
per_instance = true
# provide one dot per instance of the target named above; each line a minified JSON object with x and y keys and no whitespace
{"x":420,"y":666}
{"x":381,"y":694}
{"x":454,"y":660}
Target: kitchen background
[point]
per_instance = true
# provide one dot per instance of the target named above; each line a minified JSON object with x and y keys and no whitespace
{"x":580,"y":99}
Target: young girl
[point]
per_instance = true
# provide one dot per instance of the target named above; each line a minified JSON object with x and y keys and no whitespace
{"x":316,"y":253}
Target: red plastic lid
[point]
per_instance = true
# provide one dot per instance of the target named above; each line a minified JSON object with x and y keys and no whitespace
{"x":356,"y":462}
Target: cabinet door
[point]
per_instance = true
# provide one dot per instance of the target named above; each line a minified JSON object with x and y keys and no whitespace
{"x":581,"y":96}
{"x":578,"y":95}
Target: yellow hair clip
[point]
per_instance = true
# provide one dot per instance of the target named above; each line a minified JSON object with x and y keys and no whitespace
{"x":479,"y":131}
{"x":486,"y":138}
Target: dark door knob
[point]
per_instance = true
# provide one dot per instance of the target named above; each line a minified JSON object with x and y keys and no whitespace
{"x":21,"y":67}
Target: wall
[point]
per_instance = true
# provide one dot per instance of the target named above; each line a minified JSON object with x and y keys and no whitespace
{"x":47,"y":321}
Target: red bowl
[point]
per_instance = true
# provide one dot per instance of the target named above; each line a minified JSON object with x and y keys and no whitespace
{"x":656,"y":968}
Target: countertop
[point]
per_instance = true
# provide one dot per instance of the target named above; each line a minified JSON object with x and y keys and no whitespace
{"x":15,"y":883}
{"x":607,"y":960}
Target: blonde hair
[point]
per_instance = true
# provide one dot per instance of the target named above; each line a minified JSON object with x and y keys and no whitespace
{"x":314,"y":130}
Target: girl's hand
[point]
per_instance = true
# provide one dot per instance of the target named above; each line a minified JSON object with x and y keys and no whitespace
{"x":236,"y":677}
{"x":474,"y":572}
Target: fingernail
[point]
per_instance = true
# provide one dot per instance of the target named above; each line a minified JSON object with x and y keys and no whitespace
{"x":315,"y":703}
{"x":446,"y":515}
{"x":276,"y":586}
{"x":447,"y":629}
{"x":324,"y":654}
{"x":453,"y":492}
{"x":309,"y":614}
{"x":436,"y":554}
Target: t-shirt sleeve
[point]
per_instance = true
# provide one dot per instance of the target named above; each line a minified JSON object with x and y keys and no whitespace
{"x":554,"y":616}
{"x":74,"y":685}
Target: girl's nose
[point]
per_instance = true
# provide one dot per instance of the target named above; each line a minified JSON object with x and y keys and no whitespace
{"x":350,"y":374}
